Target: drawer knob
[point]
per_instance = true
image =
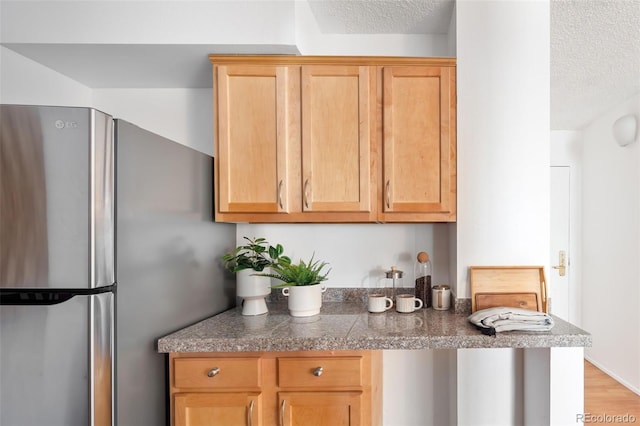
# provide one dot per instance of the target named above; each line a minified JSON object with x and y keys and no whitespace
{"x":213,"y":372}
{"x":317,"y":372}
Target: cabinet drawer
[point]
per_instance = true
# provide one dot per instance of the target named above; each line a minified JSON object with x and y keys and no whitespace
{"x":320,"y":372}
{"x":217,"y":373}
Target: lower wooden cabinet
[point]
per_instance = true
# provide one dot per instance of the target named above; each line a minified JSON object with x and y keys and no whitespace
{"x":321,"y":408}
{"x":310,"y":388}
{"x":229,"y":409}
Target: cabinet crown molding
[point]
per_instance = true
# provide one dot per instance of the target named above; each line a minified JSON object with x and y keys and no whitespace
{"x":340,"y":60}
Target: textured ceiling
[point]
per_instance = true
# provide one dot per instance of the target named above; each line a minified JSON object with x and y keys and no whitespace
{"x":595,"y":58}
{"x":382,"y":16}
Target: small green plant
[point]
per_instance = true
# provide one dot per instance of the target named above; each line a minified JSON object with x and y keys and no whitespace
{"x":300,"y":274}
{"x":256,"y":254}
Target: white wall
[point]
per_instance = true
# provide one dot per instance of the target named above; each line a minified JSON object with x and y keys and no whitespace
{"x":611,"y":248}
{"x":360,"y":254}
{"x":503,"y":135}
{"x":142,"y":22}
{"x":503,"y":180}
{"x":23,"y":81}
{"x":416,"y":387}
{"x":182,"y":115}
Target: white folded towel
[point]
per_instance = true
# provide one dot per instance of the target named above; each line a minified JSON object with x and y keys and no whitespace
{"x":503,"y":318}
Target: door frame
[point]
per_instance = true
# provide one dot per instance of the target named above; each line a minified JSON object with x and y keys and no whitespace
{"x":560,"y":290}
{"x":566,"y":149}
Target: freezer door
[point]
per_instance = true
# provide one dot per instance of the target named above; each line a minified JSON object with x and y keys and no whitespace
{"x":57,"y":216}
{"x":56,"y":363}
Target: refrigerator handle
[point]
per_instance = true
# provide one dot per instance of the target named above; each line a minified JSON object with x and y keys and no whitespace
{"x":102,"y":214}
{"x":102,"y":359}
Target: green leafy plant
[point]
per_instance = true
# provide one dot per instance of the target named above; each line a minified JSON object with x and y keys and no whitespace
{"x":256,"y":254}
{"x":300,"y":274}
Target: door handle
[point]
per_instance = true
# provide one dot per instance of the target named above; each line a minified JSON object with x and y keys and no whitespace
{"x":282,"y":412}
{"x":250,"y":414}
{"x":562,"y":267}
{"x":388,"y":193}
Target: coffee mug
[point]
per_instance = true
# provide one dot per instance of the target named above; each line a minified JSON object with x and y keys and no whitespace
{"x":407,"y":303}
{"x":379,"y":303}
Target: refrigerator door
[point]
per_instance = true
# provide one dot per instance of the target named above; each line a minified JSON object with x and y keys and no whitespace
{"x":56,"y":363}
{"x":57,"y":216}
{"x":169,"y":270}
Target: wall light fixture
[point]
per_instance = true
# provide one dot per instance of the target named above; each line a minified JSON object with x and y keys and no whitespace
{"x":625,"y":129}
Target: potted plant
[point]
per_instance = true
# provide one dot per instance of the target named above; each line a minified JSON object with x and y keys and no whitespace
{"x":302,"y":285}
{"x":246,"y":261}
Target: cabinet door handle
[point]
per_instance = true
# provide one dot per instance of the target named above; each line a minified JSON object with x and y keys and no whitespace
{"x":317,"y":372}
{"x":282,"y":412}
{"x":280,"y":194}
{"x":250,"y":414}
{"x":388,"y":191}
{"x":213,"y":372}
{"x":306,"y":193}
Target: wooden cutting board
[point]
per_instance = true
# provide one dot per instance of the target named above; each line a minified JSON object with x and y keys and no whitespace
{"x":513,"y":286}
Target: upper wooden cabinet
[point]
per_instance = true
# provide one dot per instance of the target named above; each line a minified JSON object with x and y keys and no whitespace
{"x":334,"y":139}
{"x":254,"y":111}
{"x":337,"y":116}
{"x":419,"y":155}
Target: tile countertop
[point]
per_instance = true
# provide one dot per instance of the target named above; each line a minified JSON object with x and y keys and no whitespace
{"x":348,"y":326}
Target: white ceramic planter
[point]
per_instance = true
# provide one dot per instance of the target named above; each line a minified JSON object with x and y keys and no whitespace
{"x":253,"y":289}
{"x":304,"y":301}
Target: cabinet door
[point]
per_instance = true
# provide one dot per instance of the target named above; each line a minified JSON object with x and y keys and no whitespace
{"x":320,"y":408}
{"x":254,"y":109}
{"x":336,"y":138}
{"x":419,"y":143}
{"x":224,"y":409}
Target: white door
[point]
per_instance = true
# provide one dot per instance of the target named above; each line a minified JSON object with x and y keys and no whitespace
{"x":559,"y":289}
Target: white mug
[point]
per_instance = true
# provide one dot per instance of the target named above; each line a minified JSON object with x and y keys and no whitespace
{"x":379,"y":303}
{"x":407,"y":303}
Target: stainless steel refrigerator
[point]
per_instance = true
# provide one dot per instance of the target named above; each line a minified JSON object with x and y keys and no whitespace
{"x":107,"y":242}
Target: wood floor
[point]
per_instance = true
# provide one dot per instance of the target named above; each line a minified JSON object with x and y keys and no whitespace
{"x":604,"y":396}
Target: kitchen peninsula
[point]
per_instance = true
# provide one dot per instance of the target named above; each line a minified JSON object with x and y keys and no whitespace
{"x":268,"y":346}
{"x":348,"y":326}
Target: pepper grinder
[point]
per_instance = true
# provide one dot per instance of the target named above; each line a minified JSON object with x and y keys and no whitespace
{"x":396,"y":278}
